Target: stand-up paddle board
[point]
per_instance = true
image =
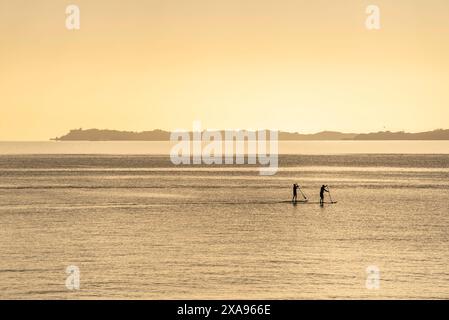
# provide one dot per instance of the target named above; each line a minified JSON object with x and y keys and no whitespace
{"x":307,"y":202}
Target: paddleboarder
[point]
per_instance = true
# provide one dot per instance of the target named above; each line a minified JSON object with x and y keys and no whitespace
{"x":295,"y":192}
{"x":322,"y":191}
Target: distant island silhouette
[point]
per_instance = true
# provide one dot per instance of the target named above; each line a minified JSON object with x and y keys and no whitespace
{"x":161,"y":135}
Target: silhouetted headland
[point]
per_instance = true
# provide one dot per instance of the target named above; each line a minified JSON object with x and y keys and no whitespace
{"x":161,"y":135}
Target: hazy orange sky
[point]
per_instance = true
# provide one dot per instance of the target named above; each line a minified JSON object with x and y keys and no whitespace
{"x":297,"y":65}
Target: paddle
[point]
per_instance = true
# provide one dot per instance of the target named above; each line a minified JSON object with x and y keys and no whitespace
{"x":330,"y":194}
{"x":305,"y":197}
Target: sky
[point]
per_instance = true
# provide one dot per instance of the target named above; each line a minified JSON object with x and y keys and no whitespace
{"x":300,"y":66}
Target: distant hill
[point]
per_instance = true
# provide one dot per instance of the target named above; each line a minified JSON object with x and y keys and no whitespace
{"x":439,"y":134}
{"x":114,"y":135}
{"x":161,"y":135}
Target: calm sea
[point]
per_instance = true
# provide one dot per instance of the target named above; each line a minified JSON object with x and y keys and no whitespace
{"x":138,"y":227}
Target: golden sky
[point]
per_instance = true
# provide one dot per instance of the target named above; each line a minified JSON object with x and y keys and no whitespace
{"x":293,"y":65}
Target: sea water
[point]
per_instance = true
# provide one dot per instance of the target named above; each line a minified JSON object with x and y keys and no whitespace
{"x":138,"y":227}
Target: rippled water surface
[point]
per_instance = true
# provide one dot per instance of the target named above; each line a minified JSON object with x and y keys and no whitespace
{"x":137,"y":227}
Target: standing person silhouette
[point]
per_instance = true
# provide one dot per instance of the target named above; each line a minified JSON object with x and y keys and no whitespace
{"x":295,"y":192}
{"x":322,"y":191}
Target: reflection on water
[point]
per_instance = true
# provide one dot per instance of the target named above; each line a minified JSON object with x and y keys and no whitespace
{"x":285,"y":147}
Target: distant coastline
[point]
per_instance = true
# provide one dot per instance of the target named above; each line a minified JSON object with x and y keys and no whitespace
{"x":161,"y":135}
